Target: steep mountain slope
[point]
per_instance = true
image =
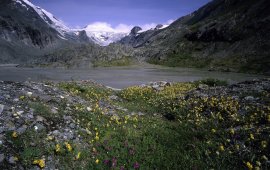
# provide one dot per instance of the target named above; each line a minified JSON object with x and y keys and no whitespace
{"x":27,"y":31}
{"x":231,"y":35}
{"x":137,"y":37}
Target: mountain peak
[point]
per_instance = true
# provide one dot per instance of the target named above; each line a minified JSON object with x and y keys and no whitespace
{"x":135,"y":30}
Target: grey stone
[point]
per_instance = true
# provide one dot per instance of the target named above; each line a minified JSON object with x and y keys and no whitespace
{"x":39,"y":127}
{"x":2,"y":158}
{"x":40,"y":119}
{"x":2,"y":108}
{"x":249,"y":98}
{"x":72,"y":125}
{"x":2,"y":129}
{"x":54,"y":110}
{"x":12,"y":160}
{"x":22,"y":129}
{"x":113,"y":97}
{"x":10,"y":126}
{"x":203,"y":86}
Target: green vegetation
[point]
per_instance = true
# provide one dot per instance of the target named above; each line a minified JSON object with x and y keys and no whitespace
{"x":211,"y":82}
{"x":124,"y":61}
{"x":181,"y":60}
{"x":175,"y":132}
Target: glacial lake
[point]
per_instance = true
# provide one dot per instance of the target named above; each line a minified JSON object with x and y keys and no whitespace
{"x":119,"y":77}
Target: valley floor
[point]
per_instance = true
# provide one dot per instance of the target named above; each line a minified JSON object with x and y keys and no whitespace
{"x":205,"y":124}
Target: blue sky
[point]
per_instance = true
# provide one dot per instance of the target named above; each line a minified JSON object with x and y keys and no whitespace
{"x":114,"y":13}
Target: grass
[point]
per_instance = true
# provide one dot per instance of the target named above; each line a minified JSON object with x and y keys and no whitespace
{"x":124,"y":61}
{"x":181,"y":60}
{"x":205,"y":133}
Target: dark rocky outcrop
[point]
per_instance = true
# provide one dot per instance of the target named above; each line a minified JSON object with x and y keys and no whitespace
{"x":228,"y":35}
{"x":24,"y":34}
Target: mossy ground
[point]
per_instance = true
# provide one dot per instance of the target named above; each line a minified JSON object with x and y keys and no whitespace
{"x":202,"y":133}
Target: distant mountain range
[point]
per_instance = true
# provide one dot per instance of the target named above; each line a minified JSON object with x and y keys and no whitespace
{"x":228,"y":35}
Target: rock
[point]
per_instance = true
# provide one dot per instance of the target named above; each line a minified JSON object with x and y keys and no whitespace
{"x":203,"y":86}
{"x":2,"y":98}
{"x":12,"y":160}
{"x":40,"y":119}
{"x":2,"y":129}
{"x":249,"y":98}
{"x":135,"y":30}
{"x":39,"y":127}
{"x":16,"y":100}
{"x":7,"y":96}
{"x":29,"y":94}
{"x":113,"y":97}
{"x":20,"y":112}
{"x":10,"y":126}
{"x":72,"y":125}
{"x":2,"y":158}
{"x":89,"y":109}
{"x":54,"y":110}
{"x":2,"y":108}
{"x":22,"y":129}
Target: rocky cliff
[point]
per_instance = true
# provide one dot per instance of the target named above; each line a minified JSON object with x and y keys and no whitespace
{"x":228,"y":35}
{"x":27,"y":31}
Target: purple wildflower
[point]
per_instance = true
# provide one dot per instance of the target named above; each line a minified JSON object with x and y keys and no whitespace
{"x":136,"y":165}
{"x":106,"y":162}
{"x":114,"y":162}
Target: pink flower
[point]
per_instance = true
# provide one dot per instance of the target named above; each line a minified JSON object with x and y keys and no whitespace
{"x":114,"y":162}
{"x":106,"y":162}
{"x":136,"y":165}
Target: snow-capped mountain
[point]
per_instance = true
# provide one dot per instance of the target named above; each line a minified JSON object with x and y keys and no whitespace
{"x":27,"y":31}
{"x":105,"y":38}
{"x":99,"y":37}
{"x":55,"y":23}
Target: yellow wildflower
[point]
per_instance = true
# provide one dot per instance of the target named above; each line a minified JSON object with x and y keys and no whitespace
{"x":97,"y":161}
{"x":14,"y":134}
{"x":97,"y":138}
{"x":50,"y":138}
{"x":78,"y":156}
{"x":251,"y":136}
{"x":264,"y":144}
{"x":57,"y":148}
{"x":221,"y":148}
{"x":213,"y":131}
{"x":68,"y":146}
{"x":249,"y":165}
{"x":232,"y":131}
{"x":39,"y":162}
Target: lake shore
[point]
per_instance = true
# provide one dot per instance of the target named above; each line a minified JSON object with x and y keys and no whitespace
{"x":120,"y":77}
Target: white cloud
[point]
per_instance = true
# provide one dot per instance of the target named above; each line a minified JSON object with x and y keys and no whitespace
{"x":106,"y":27}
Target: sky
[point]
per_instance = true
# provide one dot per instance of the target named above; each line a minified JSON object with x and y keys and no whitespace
{"x":118,"y":15}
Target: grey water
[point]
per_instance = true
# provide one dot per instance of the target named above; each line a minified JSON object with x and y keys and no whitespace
{"x":118,"y":77}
